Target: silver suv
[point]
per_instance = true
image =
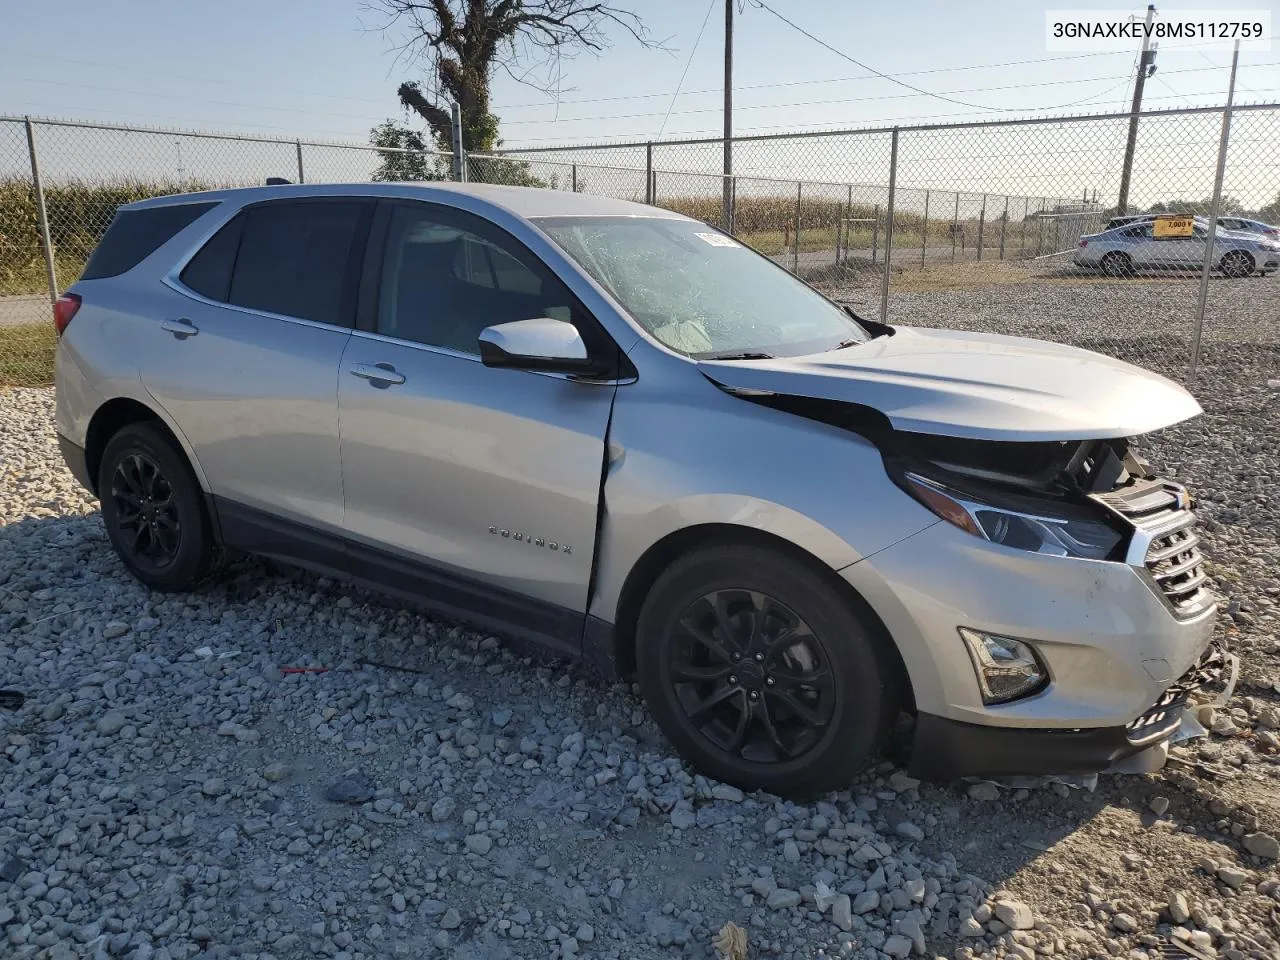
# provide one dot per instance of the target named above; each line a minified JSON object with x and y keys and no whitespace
{"x":620,"y":432}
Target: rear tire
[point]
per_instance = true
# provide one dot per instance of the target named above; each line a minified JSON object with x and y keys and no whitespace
{"x":761,"y":673}
{"x":1237,"y":264}
{"x":154,"y":509}
{"x":1117,"y":264}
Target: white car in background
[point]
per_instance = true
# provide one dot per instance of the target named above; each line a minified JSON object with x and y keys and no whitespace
{"x":1124,"y":250}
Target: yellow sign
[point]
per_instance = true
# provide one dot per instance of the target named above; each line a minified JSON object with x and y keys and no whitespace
{"x":1174,"y":227}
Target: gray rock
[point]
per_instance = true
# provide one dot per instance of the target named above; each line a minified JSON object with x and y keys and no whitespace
{"x":683,"y":818}
{"x":783,"y":899}
{"x":353,"y":790}
{"x":443,"y":809}
{"x":909,"y":830}
{"x":842,"y":912}
{"x":298,"y":847}
{"x":1124,"y":922}
{"x":866,"y":901}
{"x":1014,"y":914}
{"x":970,"y":928}
{"x":1233,"y":877}
{"x":113,"y":629}
{"x":111,"y":723}
{"x":1158,"y":805}
{"x":1262,"y":845}
{"x":451,"y":920}
{"x":585,"y":933}
{"x":275,"y":772}
{"x":723,"y":791}
{"x":478,"y":843}
{"x":214,"y":787}
{"x":897,"y":946}
{"x":790,"y":851}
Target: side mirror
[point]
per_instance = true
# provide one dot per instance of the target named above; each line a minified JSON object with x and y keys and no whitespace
{"x":538,"y":344}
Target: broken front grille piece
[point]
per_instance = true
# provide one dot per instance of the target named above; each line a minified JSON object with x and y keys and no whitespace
{"x":1165,"y":541}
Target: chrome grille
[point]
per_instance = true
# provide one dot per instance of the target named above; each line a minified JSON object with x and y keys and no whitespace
{"x":1164,"y":541}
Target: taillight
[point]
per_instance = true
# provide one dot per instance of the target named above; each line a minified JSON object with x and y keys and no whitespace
{"x":64,"y":309}
{"x":1084,"y":243}
{"x":1272,"y":233}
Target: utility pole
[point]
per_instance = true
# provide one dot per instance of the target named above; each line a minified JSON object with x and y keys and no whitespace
{"x":1146,"y":67}
{"x":727,"y":212}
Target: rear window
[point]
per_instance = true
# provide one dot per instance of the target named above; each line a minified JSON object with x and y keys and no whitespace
{"x":136,"y":234}
{"x":208,"y":273}
{"x":294,"y":259}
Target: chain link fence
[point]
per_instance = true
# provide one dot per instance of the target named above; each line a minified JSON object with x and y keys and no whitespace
{"x":988,"y":226}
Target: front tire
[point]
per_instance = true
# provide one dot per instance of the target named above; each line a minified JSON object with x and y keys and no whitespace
{"x":1116,"y":264}
{"x":154,"y":509}
{"x":761,"y":673}
{"x":1237,"y":264}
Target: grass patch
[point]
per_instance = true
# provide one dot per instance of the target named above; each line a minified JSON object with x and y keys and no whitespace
{"x":26,"y":355}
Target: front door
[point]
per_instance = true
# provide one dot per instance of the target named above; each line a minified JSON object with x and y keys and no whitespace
{"x":492,"y":475}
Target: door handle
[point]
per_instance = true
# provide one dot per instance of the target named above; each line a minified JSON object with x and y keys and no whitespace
{"x":180,"y":328}
{"x":381,"y":375}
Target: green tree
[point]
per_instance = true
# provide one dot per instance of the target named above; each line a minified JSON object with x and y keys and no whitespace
{"x":462,"y":42}
{"x":395,"y":164}
{"x":1271,"y":212}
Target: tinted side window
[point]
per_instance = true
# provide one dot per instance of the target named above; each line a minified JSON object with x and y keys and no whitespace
{"x":446,"y":276}
{"x":136,"y":234}
{"x":294,"y":259}
{"x":208,"y":273}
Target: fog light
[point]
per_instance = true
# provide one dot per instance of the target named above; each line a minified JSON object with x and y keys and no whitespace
{"x":1006,"y":668}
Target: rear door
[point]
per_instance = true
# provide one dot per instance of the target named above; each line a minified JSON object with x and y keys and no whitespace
{"x":245,"y":357}
{"x":491,"y":476}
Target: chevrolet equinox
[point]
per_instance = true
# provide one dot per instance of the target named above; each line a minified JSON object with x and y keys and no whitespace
{"x":624,"y":434}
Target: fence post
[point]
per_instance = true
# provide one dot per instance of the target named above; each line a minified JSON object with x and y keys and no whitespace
{"x":1040,"y":231}
{"x":848,"y":212}
{"x":795,"y":250}
{"x":733,"y":205}
{"x":982,"y":222}
{"x":298,"y":145}
{"x":459,"y":156}
{"x":888,"y":226}
{"x":42,"y":216}
{"x":648,"y":173}
{"x":1209,"y":253}
{"x":574,"y":175}
{"x":955,"y":227}
{"x":875,"y":232}
{"x":840,"y":218}
{"x":924,"y":229}
{"x":1004,"y":225}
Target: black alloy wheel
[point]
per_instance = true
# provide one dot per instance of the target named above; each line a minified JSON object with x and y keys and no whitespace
{"x":750,"y":676}
{"x":145,"y":511}
{"x":763,"y":670}
{"x":154,"y":509}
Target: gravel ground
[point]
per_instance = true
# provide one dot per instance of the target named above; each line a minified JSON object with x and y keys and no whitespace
{"x":171,"y":789}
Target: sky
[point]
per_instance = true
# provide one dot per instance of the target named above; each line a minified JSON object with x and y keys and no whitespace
{"x":326,"y":69}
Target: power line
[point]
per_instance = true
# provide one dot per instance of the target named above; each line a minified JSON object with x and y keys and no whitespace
{"x":823,"y":80}
{"x":687,"y":64}
{"x":1124,"y":81}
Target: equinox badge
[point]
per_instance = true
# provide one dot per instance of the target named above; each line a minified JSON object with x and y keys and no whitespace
{"x":526,"y":538}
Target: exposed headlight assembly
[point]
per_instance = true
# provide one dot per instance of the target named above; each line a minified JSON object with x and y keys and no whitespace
{"x":1055,"y":536}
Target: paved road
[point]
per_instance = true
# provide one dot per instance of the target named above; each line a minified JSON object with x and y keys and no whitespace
{"x":15,"y":311}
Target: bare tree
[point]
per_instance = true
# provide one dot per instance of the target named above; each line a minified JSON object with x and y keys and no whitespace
{"x":461,"y":42}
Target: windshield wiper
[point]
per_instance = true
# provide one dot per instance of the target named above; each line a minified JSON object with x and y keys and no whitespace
{"x":744,"y":355}
{"x":847,"y":343}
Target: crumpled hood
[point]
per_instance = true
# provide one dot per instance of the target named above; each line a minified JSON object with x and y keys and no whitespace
{"x":974,"y":385}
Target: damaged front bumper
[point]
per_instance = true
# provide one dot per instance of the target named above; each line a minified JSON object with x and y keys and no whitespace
{"x":949,"y":749}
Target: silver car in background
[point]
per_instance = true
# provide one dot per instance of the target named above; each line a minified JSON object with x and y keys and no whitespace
{"x":1243,"y":225}
{"x":1126,"y":249}
{"x":619,"y":432}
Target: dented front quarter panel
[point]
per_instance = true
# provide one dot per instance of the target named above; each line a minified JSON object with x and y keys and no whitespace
{"x":683,"y":453}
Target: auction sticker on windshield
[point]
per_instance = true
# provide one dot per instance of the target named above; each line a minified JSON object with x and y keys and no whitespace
{"x":717,"y":240}
{"x":1174,"y":227}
